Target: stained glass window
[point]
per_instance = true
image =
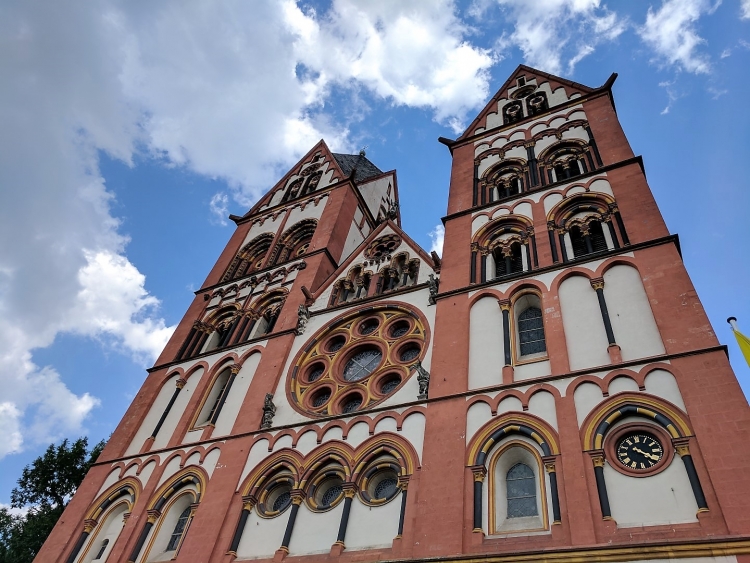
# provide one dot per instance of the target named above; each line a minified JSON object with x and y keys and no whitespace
{"x":179,"y":530}
{"x":331,"y":494}
{"x":531,"y":332}
{"x":321,"y":398}
{"x":521,"y":491}
{"x":352,"y":404}
{"x":362,"y":364}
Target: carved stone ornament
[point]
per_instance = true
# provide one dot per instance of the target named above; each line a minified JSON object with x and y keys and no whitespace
{"x":433,"y":284}
{"x":392,"y":211}
{"x":423,"y":378}
{"x":303,"y":316}
{"x":269,"y":410}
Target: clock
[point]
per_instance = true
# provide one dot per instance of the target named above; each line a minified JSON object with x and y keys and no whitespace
{"x":639,"y":451}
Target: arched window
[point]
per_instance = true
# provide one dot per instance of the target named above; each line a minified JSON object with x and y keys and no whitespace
{"x":512,"y":112}
{"x":520,"y":486}
{"x":508,"y":261}
{"x":179,"y":530}
{"x":537,"y":103}
{"x":215,"y":400}
{"x":294,"y":242}
{"x":102,"y":549}
{"x":531,"y":332}
{"x":293,"y":189}
{"x":250,"y":258}
{"x":586,"y":243}
{"x":312,"y":183}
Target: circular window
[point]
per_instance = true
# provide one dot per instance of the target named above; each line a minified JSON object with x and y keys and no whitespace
{"x":329,"y":492}
{"x":362,"y":364}
{"x":278,"y":499}
{"x":336,"y":343}
{"x":321,"y":398}
{"x":362,"y":355}
{"x":390,"y":382}
{"x":382,"y":485}
{"x":351,"y":403}
{"x":408,"y":353}
{"x":399,"y":329}
{"x":369,"y":326}
{"x":315,"y":372}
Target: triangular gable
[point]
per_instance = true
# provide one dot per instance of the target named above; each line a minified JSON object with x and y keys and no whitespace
{"x":384,"y":228}
{"x":327,"y":156}
{"x":510,"y":84}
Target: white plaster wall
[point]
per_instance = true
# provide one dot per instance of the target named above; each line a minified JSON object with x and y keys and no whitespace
{"x":532,"y":370}
{"x":413,"y":430}
{"x":630,"y":312}
{"x":258,"y":452}
{"x":283,"y":442}
{"x":111,"y":479}
{"x":371,"y":527}
{"x":358,"y":434}
{"x":509,"y":404}
{"x":153,"y":416}
{"x":269,"y":225}
{"x":376,"y":191}
{"x":353,"y":240}
{"x":236,"y":397}
{"x":476,"y":417}
{"x":542,"y":404}
{"x":486,"y":357}
{"x":585,"y":336}
{"x":586,"y":396}
{"x":663,"y":384}
{"x":262,"y":536}
{"x":172,"y":467}
{"x":315,"y":532}
{"x":664,"y":498}
{"x":311,"y":211}
{"x":622,"y":384}
{"x":146,"y":472}
{"x":307,"y":442}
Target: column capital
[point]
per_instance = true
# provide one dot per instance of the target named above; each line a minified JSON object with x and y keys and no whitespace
{"x":403,"y":481}
{"x":504,"y":304}
{"x":474,"y":246}
{"x":152,"y":516}
{"x":479,"y":472}
{"x":529,"y":144}
{"x":235,"y":369}
{"x":180,"y":383}
{"x":249,"y":502}
{"x":597,"y":457}
{"x":682,"y":446}
{"x":89,"y":525}
{"x":350,"y":489}
{"x":298,"y":496}
{"x":597,"y":283}
{"x":549,"y":463}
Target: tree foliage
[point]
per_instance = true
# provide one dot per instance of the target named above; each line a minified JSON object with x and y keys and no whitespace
{"x":44,"y":490}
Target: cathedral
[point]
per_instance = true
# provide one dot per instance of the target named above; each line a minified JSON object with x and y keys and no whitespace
{"x":549,"y":389}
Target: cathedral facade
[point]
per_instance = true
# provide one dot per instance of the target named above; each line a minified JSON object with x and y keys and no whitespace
{"x":550,"y":389}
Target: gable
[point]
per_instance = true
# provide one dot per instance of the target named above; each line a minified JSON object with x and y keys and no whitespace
{"x":518,"y":90}
{"x":385,"y":246}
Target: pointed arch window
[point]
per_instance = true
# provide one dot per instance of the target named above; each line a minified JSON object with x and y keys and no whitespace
{"x":179,"y":530}
{"x":521,"y":489}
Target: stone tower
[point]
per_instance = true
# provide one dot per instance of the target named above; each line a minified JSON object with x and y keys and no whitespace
{"x":550,"y":390}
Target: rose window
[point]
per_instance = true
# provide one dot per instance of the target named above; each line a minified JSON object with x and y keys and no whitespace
{"x":355,"y":363}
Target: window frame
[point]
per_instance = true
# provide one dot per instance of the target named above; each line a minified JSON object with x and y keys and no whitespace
{"x":492,"y":490}
{"x":517,"y":358}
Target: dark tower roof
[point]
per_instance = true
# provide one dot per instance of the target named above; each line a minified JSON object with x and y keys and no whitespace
{"x":364,"y":169}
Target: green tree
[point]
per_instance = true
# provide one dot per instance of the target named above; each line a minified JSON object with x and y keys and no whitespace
{"x":44,"y":489}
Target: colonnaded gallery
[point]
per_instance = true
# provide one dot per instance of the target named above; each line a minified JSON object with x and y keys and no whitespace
{"x":549,"y":390}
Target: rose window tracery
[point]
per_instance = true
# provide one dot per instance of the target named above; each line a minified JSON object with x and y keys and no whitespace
{"x":357,"y":362}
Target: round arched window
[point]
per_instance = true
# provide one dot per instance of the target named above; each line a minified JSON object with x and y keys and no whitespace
{"x":358,"y":361}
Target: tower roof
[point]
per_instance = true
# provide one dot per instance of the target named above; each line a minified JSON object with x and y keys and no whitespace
{"x":363,"y":168}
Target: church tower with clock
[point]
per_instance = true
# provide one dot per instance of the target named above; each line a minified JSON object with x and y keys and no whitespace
{"x":550,"y":389}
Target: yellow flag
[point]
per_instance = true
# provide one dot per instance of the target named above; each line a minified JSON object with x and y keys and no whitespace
{"x":742,"y":340}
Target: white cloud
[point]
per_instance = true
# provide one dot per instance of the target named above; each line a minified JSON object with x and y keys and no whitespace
{"x":234,"y":91}
{"x":437,"y":236}
{"x":555,"y":35}
{"x":219,"y":206}
{"x":745,"y":9}
{"x":671,"y":33}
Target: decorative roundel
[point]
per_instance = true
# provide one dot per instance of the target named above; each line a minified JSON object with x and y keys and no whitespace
{"x":379,"y":484}
{"x":383,"y":246}
{"x":326,"y":490}
{"x":639,"y":451}
{"x":275,"y":497}
{"x":358,"y":361}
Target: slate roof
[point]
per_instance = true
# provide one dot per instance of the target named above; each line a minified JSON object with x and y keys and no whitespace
{"x":364,"y":168}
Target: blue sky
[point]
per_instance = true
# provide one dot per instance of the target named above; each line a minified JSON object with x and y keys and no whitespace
{"x":130,"y":130}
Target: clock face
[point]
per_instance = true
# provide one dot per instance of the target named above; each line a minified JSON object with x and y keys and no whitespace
{"x":638,"y":451}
